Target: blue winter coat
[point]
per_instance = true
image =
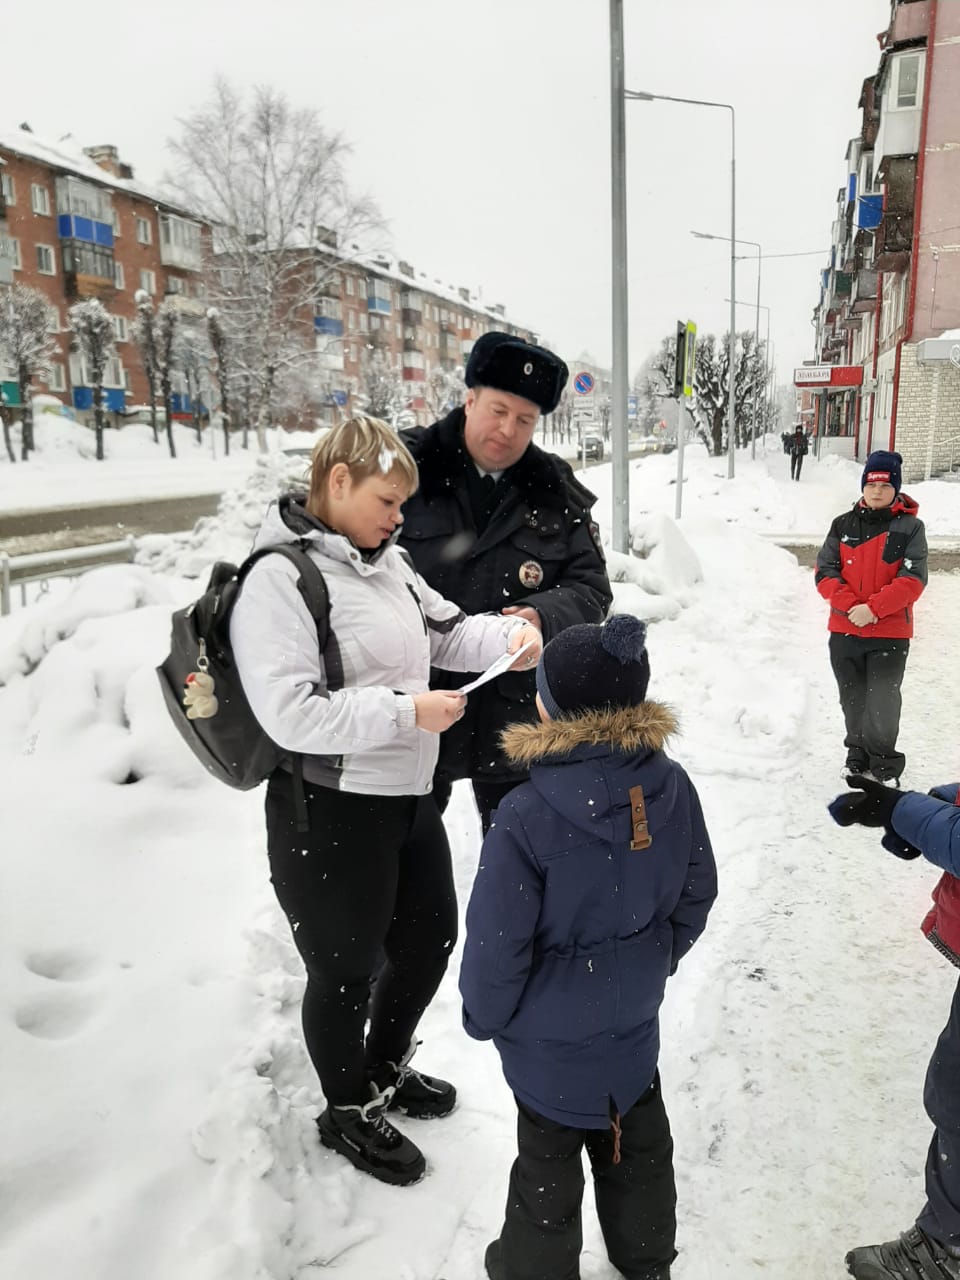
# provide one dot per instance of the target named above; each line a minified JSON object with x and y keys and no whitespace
{"x":571,"y":935}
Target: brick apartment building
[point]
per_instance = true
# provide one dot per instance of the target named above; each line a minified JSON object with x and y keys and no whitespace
{"x":891,"y":290}
{"x":76,"y":224}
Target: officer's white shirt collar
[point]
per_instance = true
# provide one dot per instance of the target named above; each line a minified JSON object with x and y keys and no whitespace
{"x":481,"y":473}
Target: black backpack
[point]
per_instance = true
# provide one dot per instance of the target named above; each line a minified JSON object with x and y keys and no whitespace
{"x":200,"y":676}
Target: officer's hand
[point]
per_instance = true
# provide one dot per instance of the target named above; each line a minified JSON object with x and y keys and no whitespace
{"x":871,"y":805}
{"x":528,"y":615}
{"x":518,"y":639}
{"x":438,"y":709}
{"x":861,"y":615}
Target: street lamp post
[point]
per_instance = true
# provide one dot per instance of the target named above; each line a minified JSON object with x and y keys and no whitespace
{"x":641,"y":96}
{"x":619,"y":380}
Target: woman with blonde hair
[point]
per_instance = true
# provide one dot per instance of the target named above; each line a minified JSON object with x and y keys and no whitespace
{"x":372,"y":874}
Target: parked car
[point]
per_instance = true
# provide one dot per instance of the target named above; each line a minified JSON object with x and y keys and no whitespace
{"x":591,"y":446}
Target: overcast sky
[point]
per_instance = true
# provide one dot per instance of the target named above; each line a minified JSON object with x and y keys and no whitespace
{"x":482,"y":130}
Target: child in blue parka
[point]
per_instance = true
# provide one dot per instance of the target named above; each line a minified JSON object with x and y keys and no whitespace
{"x":595,"y":880}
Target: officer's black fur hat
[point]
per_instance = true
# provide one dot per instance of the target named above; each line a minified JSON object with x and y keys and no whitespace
{"x":508,"y":363}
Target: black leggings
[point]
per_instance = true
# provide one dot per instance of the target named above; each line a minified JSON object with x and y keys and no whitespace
{"x":372,"y":876}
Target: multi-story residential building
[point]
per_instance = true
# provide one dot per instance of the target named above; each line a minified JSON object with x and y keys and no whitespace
{"x":76,"y":224}
{"x":891,"y":289}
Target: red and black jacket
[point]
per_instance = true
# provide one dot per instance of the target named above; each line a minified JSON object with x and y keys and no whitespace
{"x":878,"y":558}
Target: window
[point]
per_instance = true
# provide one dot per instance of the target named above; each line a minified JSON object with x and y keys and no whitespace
{"x":144,"y":233}
{"x":115,"y":222}
{"x":118,"y":275}
{"x":331,"y":308}
{"x":7,"y":188}
{"x":374,"y":322}
{"x":39,"y":199}
{"x":113,"y":374}
{"x":908,"y":80}
{"x":119,"y":328}
{"x":10,"y":248}
{"x":53,"y":325}
{"x":363,"y":322}
{"x":351,"y":320}
{"x":175,"y":284}
{"x":46,"y":260}
{"x":148,"y":282}
{"x":350,"y":287}
{"x":56,"y":379}
{"x":126,"y":380}
{"x":84,"y":259}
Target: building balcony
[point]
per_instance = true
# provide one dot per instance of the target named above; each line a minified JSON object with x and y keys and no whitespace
{"x":379,"y":306}
{"x":411,"y":315}
{"x":77,"y":284}
{"x":894,"y":242}
{"x":180,"y":243}
{"x":414,"y":375}
{"x":330,"y":360}
{"x":869,"y":212}
{"x":863,"y":295}
{"x":838,"y":292}
{"x":328,"y":325}
{"x":71,"y":226}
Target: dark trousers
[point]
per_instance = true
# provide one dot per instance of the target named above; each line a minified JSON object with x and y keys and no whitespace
{"x":636,"y":1199}
{"x":869,"y":673}
{"x":487,"y":795}
{"x":372,"y":878}
{"x":941,"y":1098}
{"x":796,"y":464}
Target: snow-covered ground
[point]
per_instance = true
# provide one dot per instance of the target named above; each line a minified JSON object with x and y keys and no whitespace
{"x":158,"y":1105}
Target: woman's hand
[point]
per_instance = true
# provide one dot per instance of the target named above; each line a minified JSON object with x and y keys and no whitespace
{"x":438,"y":709}
{"x":518,"y":639}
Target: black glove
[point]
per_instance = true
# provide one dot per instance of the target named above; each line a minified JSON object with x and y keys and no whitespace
{"x":873,"y":808}
{"x":896,"y":844}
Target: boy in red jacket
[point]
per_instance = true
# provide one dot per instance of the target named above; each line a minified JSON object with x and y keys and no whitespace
{"x":871,"y":569}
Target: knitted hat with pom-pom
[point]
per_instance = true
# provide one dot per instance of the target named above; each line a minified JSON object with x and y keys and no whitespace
{"x":590,"y":666}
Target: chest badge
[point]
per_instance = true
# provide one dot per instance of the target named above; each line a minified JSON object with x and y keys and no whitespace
{"x":531,"y":573}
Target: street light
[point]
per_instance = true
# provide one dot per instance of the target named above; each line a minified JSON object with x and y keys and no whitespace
{"x":642,"y":96}
{"x":703,"y":235}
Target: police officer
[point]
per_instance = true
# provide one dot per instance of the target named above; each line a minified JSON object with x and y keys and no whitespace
{"x":498,"y":524}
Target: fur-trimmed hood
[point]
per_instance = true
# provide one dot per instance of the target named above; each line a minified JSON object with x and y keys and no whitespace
{"x":630,"y":730}
{"x":582,"y":768}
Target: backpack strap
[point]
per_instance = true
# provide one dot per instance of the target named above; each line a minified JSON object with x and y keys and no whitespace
{"x":313,"y":588}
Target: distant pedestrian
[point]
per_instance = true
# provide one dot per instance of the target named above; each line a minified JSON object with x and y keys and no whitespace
{"x":798,"y":451}
{"x":595,"y":880}
{"x":871,"y":569}
{"x":918,"y":824}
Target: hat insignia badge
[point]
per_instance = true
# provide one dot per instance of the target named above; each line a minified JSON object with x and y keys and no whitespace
{"x":528,"y":368}
{"x":531,"y":574}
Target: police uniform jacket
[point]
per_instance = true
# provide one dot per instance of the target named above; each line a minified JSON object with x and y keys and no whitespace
{"x":530,"y":544}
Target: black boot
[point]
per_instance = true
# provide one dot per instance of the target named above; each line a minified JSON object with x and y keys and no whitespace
{"x":370,"y":1142}
{"x":914,"y":1256}
{"x":409,"y":1091}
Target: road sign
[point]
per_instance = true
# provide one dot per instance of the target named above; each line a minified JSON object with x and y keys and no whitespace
{"x":583,"y":383}
{"x":632,"y":407}
{"x":678,"y":359}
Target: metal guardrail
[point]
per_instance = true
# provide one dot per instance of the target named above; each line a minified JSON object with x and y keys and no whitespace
{"x":38,"y":566}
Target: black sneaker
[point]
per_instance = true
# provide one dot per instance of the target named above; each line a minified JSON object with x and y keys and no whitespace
{"x":914,"y":1256}
{"x":370,"y":1142}
{"x":410,"y":1091}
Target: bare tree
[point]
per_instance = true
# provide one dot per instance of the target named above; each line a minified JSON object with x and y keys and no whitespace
{"x":383,"y":393}
{"x":442,"y":391}
{"x":269,"y":179}
{"x":27,"y":322}
{"x":220,"y":346}
{"x":193,"y":359}
{"x":144,"y":331}
{"x":168,"y":334}
{"x":93,"y":336}
{"x":710,"y":386}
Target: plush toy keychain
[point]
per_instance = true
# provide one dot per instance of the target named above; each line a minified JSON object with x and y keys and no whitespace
{"x":198,"y":695}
